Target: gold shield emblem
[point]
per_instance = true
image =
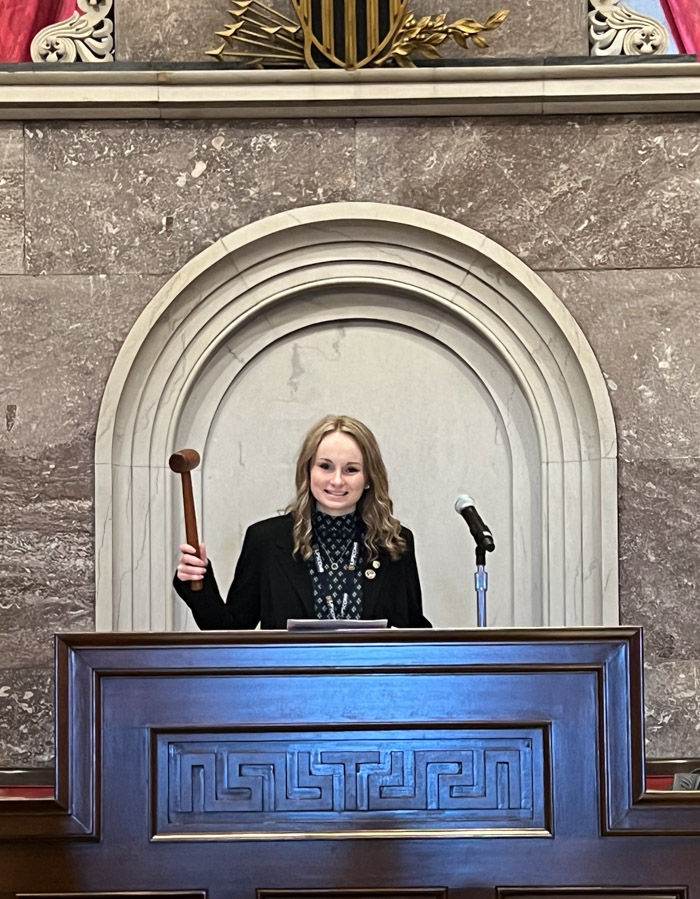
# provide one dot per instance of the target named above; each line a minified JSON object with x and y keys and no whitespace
{"x":348,"y":34}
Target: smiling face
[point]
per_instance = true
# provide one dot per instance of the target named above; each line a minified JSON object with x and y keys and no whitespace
{"x":337,"y":477}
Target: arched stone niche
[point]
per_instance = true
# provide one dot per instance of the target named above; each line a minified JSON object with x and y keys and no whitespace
{"x":471,"y":372}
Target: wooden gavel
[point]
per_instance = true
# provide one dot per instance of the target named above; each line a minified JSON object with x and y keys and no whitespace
{"x":182,"y":463}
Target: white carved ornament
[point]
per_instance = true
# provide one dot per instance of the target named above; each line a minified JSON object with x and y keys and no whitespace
{"x":86,"y":36}
{"x":620,"y":31}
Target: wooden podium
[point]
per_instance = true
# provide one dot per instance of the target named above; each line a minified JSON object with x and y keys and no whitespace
{"x":422,"y":764}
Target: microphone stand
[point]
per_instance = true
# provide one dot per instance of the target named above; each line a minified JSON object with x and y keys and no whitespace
{"x":484,"y":544}
{"x":481,"y":582}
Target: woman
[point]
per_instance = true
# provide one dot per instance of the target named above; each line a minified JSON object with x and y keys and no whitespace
{"x":337,"y":552}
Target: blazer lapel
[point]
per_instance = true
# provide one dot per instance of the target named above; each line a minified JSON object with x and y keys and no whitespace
{"x":372,"y":586}
{"x":298,"y":573}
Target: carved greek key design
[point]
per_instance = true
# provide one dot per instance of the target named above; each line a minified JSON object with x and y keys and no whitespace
{"x":86,"y":36}
{"x":620,"y":31}
{"x":445,"y":779}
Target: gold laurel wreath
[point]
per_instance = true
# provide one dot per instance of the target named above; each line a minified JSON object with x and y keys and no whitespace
{"x":425,"y":35}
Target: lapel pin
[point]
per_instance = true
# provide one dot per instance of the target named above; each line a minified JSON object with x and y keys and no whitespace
{"x":370,"y":573}
{"x":376,"y":564}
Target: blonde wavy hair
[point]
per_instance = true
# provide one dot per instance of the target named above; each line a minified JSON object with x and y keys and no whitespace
{"x":375,"y":508}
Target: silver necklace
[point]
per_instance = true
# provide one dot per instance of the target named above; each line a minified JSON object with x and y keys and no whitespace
{"x":335,"y":563}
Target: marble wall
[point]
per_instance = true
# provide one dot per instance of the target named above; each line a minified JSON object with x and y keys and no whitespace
{"x":95,"y":217}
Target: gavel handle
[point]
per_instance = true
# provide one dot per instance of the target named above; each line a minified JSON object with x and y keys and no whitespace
{"x":190,"y":519}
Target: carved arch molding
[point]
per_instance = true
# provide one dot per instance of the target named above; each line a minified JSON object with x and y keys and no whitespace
{"x":469,"y":369}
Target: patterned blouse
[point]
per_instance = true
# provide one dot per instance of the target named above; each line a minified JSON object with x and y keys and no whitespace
{"x":336,"y":565}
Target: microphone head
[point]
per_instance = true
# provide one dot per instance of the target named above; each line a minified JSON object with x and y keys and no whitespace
{"x":463,"y":502}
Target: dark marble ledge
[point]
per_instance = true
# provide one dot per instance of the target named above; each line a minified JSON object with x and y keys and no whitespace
{"x":162,"y":71}
{"x":27,"y":777}
{"x":493,"y":87}
{"x":529,"y":87}
{"x":462,"y":62}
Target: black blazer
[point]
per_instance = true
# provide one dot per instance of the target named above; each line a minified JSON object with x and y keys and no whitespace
{"x":271,"y":585}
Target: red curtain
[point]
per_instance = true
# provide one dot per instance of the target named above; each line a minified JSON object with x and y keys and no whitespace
{"x":683,"y":17}
{"x":21,"y":19}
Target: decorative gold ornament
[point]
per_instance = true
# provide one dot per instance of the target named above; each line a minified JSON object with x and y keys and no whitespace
{"x":425,"y":35}
{"x":347,"y":34}
{"x":267,"y":35}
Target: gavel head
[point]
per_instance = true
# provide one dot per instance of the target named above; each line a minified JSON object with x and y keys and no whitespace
{"x":184,"y":460}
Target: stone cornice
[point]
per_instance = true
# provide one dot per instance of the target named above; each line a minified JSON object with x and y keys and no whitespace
{"x":191,"y":93}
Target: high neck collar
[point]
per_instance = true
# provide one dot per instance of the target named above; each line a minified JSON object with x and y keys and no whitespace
{"x":334,"y":524}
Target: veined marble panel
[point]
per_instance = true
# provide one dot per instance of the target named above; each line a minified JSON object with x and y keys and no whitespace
{"x":46,"y":534}
{"x":59,"y":337}
{"x":672,"y":698}
{"x":147,"y":197}
{"x":560,"y":193}
{"x":76,"y":326}
{"x":659,"y":526}
{"x":180,"y":31}
{"x":11,"y":199}
{"x":26,"y":718}
{"x":644,"y":326}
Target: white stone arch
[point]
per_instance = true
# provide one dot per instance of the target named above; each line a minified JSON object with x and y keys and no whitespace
{"x":398,"y":278}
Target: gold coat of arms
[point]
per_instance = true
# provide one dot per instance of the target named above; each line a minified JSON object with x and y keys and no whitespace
{"x":346,"y":34}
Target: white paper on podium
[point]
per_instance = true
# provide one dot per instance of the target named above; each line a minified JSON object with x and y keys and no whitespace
{"x":336,"y":624}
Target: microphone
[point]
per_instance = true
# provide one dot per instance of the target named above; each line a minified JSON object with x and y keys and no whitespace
{"x":481,"y":534}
